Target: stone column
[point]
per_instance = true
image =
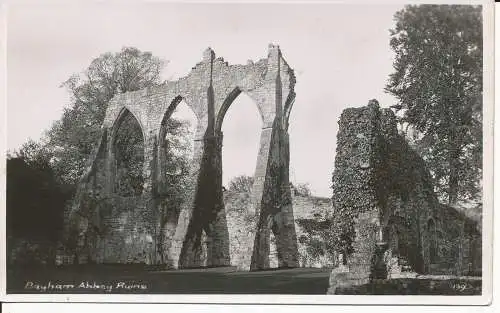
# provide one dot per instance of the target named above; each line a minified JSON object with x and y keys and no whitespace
{"x":150,"y":164}
{"x":271,"y":193}
{"x":272,"y":199}
{"x":216,"y":224}
{"x":284,"y":227}
{"x":208,"y":212}
{"x":110,"y":164}
{"x":187,"y":210}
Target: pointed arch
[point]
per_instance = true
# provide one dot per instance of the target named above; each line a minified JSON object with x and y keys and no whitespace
{"x":124,"y":112}
{"x":128,"y":150}
{"x":170,"y":111}
{"x":227,"y":103}
{"x":163,"y":127}
{"x":166,"y":116}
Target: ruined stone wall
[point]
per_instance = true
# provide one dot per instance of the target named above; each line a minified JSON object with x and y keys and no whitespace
{"x":241,"y":218}
{"x":382,"y":186}
{"x":409,"y":206}
{"x":197,"y":234}
{"x":459,"y":245}
{"x":354,"y":183}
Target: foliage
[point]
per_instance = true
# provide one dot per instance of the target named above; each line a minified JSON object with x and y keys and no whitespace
{"x":438,"y":80}
{"x":72,"y":138}
{"x":302,"y":190}
{"x":330,"y":235}
{"x":176,"y":181}
{"x":43,"y":176}
{"x":34,"y":196}
{"x":129,"y":152}
{"x":241,"y":183}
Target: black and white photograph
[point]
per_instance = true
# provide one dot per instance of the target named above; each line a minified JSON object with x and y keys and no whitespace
{"x":266,"y":152}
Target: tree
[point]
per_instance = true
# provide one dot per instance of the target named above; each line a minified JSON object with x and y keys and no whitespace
{"x":241,"y":183}
{"x":302,"y":189}
{"x":35,"y":199}
{"x":72,"y":138}
{"x":331,"y":234}
{"x":51,"y":169}
{"x":437,"y":79}
{"x":129,"y":153}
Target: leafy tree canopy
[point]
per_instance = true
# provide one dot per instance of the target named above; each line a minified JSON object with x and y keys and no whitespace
{"x":438,"y":80}
{"x":35,"y":199}
{"x":73,"y":137}
{"x":53,"y":167}
{"x":241,"y":183}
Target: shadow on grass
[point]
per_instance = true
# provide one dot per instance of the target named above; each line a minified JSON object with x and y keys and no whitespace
{"x":91,"y":279}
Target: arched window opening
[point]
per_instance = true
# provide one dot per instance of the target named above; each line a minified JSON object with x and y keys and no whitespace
{"x":176,"y":151}
{"x":176,"y":144}
{"x":175,"y":155}
{"x":241,"y":128}
{"x":178,"y":132}
{"x":129,"y":153}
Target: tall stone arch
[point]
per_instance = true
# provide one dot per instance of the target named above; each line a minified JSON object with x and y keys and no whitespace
{"x":209,"y":90}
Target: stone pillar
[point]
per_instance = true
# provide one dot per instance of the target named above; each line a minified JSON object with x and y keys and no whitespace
{"x":284,"y":224}
{"x":218,"y":240}
{"x":216,"y":227}
{"x":271,"y":193}
{"x":150,"y":163}
{"x":272,"y":199}
{"x":207,"y":213}
{"x":110,"y":164}
{"x":168,"y":218}
{"x":186,"y":212}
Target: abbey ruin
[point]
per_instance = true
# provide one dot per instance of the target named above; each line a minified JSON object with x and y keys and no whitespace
{"x":401,"y":229}
{"x":378,"y":178}
{"x":133,"y":229}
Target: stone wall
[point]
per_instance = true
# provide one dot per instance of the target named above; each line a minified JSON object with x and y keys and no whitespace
{"x":240,"y":219}
{"x":382,"y":186}
{"x":197,"y":234}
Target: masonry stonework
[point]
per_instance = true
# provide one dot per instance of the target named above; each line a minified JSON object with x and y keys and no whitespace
{"x":129,"y":229}
{"x":399,"y":224}
{"x":241,"y":233}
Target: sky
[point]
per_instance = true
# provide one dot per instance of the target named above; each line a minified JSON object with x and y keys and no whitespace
{"x":340,"y":54}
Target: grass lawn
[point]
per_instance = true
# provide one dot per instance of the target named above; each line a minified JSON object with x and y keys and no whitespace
{"x":140,"y":279}
{"x":122,"y":279}
{"x":412,"y":286}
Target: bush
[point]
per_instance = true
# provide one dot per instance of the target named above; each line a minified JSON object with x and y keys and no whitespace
{"x":241,"y":183}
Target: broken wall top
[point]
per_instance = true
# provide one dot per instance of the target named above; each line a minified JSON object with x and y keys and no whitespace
{"x":269,"y":82}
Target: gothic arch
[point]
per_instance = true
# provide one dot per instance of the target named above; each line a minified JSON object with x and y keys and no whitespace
{"x":124,"y":112}
{"x":168,"y":114}
{"x":227,"y":104}
{"x":114,"y":147}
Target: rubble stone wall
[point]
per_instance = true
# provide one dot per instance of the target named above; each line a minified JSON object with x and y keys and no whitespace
{"x":382,"y":186}
{"x":240,"y":219}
